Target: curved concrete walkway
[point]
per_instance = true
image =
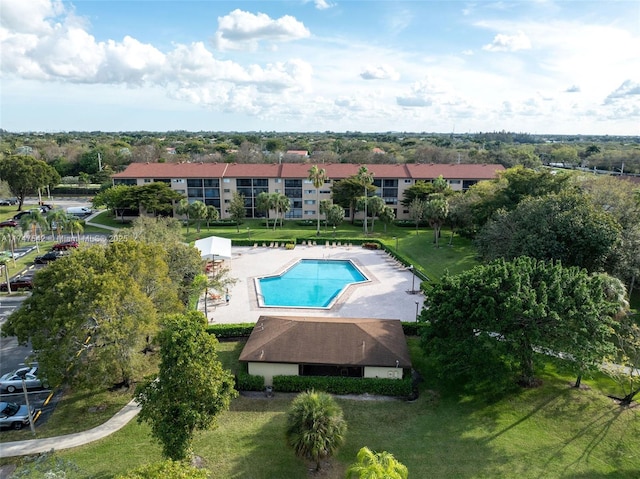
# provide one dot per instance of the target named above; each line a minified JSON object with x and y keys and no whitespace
{"x":36,"y":446}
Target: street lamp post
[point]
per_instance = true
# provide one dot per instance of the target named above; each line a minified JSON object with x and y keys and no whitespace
{"x":26,"y":400}
{"x":334,"y":232}
{"x":413,"y":279}
{"x":417,"y":305}
{"x":396,"y":238}
{"x":248,"y":232}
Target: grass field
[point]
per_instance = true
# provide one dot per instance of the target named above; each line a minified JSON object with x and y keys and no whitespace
{"x":553,"y":431}
{"x":548,"y":432}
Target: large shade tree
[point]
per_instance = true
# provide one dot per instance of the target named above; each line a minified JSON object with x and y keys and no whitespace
{"x":25,"y":175}
{"x":92,"y":313}
{"x":191,"y":389}
{"x":566,"y":227}
{"x":485,"y":325}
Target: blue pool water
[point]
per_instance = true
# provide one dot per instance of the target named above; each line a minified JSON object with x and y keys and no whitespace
{"x":310,"y":283}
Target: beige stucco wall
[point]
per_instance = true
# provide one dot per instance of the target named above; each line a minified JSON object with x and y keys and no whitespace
{"x":383,"y":373}
{"x":268,"y":370}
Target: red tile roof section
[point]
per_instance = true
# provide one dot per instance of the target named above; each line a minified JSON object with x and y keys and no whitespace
{"x":173,"y":170}
{"x":453,"y":171}
{"x":335,"y":171}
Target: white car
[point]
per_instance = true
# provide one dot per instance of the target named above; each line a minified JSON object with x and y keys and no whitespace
{"x":12,"y":382}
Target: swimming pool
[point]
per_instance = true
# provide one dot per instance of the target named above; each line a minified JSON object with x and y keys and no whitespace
{"x":309,"y":283}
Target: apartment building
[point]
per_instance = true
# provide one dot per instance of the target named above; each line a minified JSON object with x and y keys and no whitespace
{"x":215,"y":183}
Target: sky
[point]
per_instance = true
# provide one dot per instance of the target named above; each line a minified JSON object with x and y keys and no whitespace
{"x":526,"y":66}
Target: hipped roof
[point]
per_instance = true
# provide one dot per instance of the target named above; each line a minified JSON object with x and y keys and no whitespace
{"x":328,"y":341}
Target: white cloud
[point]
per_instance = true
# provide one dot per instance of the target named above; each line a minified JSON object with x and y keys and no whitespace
{"x":508,"y":43}
{"x":573,"y":89}
{"x":241,"y":30}
{"x":628,"y":91}
{"x":379,"y":72}
{"x":423,"y":93}
{"x":322,"y":4}
{"x":31,"y":16}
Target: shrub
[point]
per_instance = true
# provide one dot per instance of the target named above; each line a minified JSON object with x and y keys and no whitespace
{"x":341,"y":385}
{"x":249,"y":382}
{"x":371,"y":245}
{"x":231,"y":331}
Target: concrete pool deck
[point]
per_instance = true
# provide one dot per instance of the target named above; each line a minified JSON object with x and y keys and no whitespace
{"x":385,"y":296}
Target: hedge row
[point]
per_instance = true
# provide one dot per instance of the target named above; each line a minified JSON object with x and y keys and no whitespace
{"x":231,"y":331}
{"x":248,"y":382}
{"x":341,"y":385}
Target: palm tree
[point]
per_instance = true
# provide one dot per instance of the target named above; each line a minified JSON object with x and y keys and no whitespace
{"x":263,"y":203}
{"x":212,"y":214}
{"x":315,"y":426}
{"x":57,"y":219}
{"x":75,"y":226}
{"x":3,"y":264}
{"x":10,"y":237}
{"x":33,"y":222}
{"x":284,"y":205}
{"x":376,"y":465}
{"x":317,"y":176}
{"x":365,"y":177}
{"x":182,"y":208}
{"x":197,"y":211}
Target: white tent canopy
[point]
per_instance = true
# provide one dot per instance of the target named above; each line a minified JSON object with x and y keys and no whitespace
{"x":214,"y":247}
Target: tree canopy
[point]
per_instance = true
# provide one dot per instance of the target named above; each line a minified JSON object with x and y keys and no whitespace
{"x":565,"y":227}
{"x":93,"y":312}
{"x":485,"y":325}
{"x":191,"y":389}
{"x":25,"y":175}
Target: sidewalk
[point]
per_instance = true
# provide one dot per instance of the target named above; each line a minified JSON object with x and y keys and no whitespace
{"x":36,"y":446}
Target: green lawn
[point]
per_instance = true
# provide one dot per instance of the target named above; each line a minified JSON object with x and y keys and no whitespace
{"x":553,"y":431}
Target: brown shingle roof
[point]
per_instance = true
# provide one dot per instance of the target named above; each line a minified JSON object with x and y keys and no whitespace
{"x":327,"y":341}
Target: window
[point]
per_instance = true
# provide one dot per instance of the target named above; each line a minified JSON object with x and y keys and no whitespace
{"x":454,"y":182}
{"x":309,"y":202}
{"x":278,"y":180}
{"x":177,"y":180}
{"x":408,"y":182}
{"x":309,"y":213}
{"x":226,"y":180}
{"x":227,"y":190}
{"x":147,"y":180}
{"x":309,"y":192}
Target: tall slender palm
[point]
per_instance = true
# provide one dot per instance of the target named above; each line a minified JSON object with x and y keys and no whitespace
{"x":376,"y":465}
{"x":317,"y":176}
{"x":57,"y":219}
{"x":182,"y":208}
{"x":315,"y":426}
{"x":75,"y":226}
{"x":10,"y":239}
{"x":34,"y":222}
{"x":365,"y":177}
{"x":284,"y":205}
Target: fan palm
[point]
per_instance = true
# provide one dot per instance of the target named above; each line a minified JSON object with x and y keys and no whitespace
{"x":315,"y":426}
{"x":377,"y":465}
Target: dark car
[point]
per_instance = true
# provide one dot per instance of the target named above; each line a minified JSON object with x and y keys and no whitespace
{"x":48,"y":257}
{"x":8,"y":224}
{"x":14,"y":415}
{"x":17,"y":284}
{"x":65,"y":245}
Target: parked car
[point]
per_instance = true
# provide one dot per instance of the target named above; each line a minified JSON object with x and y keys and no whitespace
{"x":4,"y":202}
{"x":12,"y":382}
{"x":17,"y":284}
{"x":15,"y":416}
{"x":49,"y":257}
{"x":79,"y":211}
{"x":64,"y":246}
{"x":8,"y":224}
